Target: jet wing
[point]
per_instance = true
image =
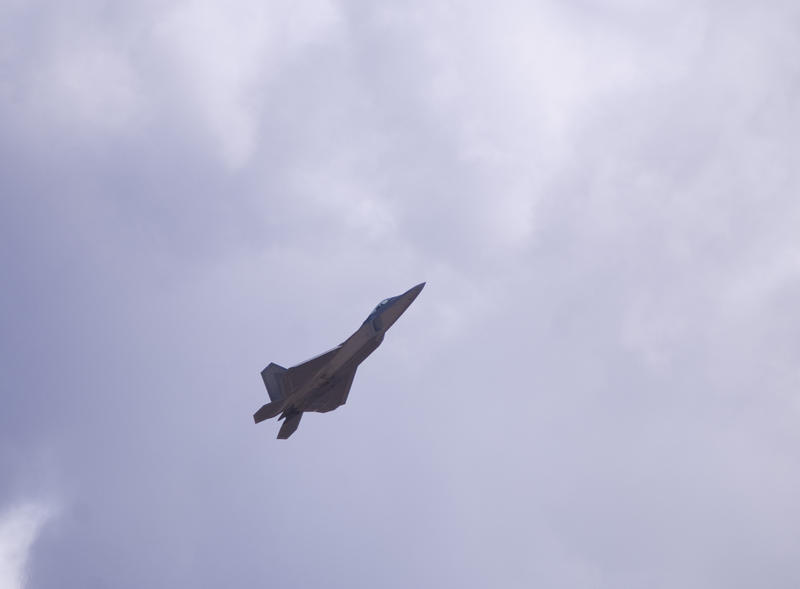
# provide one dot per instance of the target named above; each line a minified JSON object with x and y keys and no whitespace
{"x":333,"y":394}
{"x":301,"y":373}
{"x":341,"y":388}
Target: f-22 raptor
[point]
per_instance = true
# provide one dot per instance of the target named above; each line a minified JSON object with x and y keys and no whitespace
{"x":323,"y":383}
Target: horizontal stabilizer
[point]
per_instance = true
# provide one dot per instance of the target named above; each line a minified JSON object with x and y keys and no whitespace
{"x":288,"y":427}
{"x":267,"y":411}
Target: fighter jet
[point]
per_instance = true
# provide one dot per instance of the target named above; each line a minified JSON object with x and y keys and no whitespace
{"x":322,"y":383}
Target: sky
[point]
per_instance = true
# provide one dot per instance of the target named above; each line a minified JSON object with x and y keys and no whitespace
{"x":599,"y":386}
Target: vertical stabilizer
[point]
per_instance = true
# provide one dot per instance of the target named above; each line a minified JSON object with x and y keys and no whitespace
{"x":274,"y":378}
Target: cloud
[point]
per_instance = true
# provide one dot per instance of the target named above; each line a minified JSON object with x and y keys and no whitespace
{"x":223,"y":57}
{"x":598,"y":386}
{"x":20,"y":526}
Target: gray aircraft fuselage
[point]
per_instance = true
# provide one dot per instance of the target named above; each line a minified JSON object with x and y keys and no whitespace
{"x":322,"y":383}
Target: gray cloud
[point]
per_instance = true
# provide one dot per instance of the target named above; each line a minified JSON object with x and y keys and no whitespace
{"x":598,"y":387}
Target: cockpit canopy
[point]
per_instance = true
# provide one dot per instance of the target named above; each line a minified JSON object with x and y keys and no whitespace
{"x":376,"y":311}
{"x":383,"y":303}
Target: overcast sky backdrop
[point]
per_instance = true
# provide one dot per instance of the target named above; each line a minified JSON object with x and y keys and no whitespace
{"x":598,"y":388}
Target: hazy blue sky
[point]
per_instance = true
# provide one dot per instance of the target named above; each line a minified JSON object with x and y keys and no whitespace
{"x":598,"y":388}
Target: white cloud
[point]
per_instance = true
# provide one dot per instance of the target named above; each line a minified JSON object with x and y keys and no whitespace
{"x":222,"y":54}
{"x":19,"y":527}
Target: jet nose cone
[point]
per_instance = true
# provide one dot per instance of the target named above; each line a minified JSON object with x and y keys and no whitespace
{"x":399,"y":305}
{"x":415,"y":290}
